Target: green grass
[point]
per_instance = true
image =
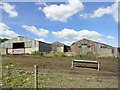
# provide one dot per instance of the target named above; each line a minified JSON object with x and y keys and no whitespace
{"x":32,"y":55}
{"x":78,"y":58}
{"x":56,"y":76}
{"x":42,"y":78}
{"x":10,"y":64}
{"x":21,"y":81}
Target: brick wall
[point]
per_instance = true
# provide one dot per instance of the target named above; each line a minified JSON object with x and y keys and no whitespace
{"x":75,"y":47}
{"x":93,"y":47}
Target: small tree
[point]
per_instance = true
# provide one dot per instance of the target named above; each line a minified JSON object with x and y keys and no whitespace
{"x":4,"y":39}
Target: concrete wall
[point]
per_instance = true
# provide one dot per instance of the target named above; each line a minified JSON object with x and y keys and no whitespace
{"x":60,"y":47}
{"x":57,"y":47}
{"x":2,"y":51}
{"x":117,"y":52}
{"x":30,"y":50}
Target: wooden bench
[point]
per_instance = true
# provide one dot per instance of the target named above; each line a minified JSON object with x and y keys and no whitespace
{"x":85,"y":61}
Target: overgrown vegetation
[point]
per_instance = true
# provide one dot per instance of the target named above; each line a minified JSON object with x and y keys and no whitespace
{"x":62,"y":54}
{"x":88,"y":55}
{"x":14,"y":77}
{"x":35,"y":54}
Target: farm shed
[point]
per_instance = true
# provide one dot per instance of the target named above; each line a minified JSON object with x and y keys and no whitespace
{"x":60,"y":47}
{"x":86,"y":46}
{"x":21,"y":45}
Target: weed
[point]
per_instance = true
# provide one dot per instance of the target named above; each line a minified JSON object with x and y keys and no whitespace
{"x":11,"y":64}
{"x":42,"y":78}
{"x":37,"y":53}
{"x":56,"y":76}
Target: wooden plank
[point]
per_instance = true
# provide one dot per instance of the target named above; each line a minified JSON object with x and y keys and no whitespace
{"x":85,"y":61}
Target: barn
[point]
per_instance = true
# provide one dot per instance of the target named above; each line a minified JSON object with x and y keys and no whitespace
{"x":60,"y":47}
{"x":86,"y":46}
{"x":21,"y":45}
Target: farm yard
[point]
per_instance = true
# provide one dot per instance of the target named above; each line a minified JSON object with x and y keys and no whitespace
{"x":56,"y":72}
{"x":67,"y":44}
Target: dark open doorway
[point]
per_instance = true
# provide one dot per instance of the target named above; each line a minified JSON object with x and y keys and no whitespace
{"x":18,"y":45}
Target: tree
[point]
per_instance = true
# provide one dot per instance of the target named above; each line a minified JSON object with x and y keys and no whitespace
{"x":3,"y":40}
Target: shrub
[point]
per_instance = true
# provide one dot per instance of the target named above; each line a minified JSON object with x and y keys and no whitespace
{"x":57,"y":54}
{"x":37,"y":53}
{"x":49,"y":55}
{"x":88,"y":55}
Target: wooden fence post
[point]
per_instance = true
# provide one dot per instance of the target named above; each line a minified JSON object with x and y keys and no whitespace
{"x":98,"y":66}
{"x":36,"y":77}
{"x":72,"y":65}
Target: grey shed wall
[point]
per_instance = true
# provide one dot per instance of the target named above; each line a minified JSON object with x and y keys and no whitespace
{"x":103,"y":50}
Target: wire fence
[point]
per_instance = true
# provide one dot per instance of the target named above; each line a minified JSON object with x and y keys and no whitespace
{"x":41,"y":78}
{"x":67,"y":71}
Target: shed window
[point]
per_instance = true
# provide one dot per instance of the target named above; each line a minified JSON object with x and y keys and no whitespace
{"x":79,"y":46}
{"x":103,"y":46}
{"x":84,"y":44}
{"x":88,"y":46}
{"x":112,"y":50}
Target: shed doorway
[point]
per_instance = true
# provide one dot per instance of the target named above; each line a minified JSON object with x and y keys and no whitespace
{"x":18,"y":45}
{"x":18,"y":48}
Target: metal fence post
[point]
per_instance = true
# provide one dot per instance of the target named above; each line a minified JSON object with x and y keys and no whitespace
{"x":36,"y":77}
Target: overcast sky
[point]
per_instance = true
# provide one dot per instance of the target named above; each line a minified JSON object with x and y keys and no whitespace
{"x":63,"y":22}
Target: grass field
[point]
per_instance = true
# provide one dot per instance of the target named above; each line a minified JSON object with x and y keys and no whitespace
{"x":56,"y":72}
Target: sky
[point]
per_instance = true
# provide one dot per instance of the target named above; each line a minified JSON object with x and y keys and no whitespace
{"x":65,"y":22}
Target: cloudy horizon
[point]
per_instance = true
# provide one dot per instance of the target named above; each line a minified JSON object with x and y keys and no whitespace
{"x":61,"y":21}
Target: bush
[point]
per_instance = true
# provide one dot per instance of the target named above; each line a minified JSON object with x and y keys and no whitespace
{"x":26,"y":54}
{"x":37,"y":53}
{"x":57,"y":54}
{"x":88,"y":55}
{"x":49,"y":55}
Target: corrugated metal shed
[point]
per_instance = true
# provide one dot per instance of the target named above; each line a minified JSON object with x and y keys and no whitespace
{"x":20,"y":45}
{"x":86,"y":46}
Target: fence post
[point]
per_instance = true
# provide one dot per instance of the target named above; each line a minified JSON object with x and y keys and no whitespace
{"x":98,"y":66}
{"x":72,"y":65}
{"x":36,"y":77}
